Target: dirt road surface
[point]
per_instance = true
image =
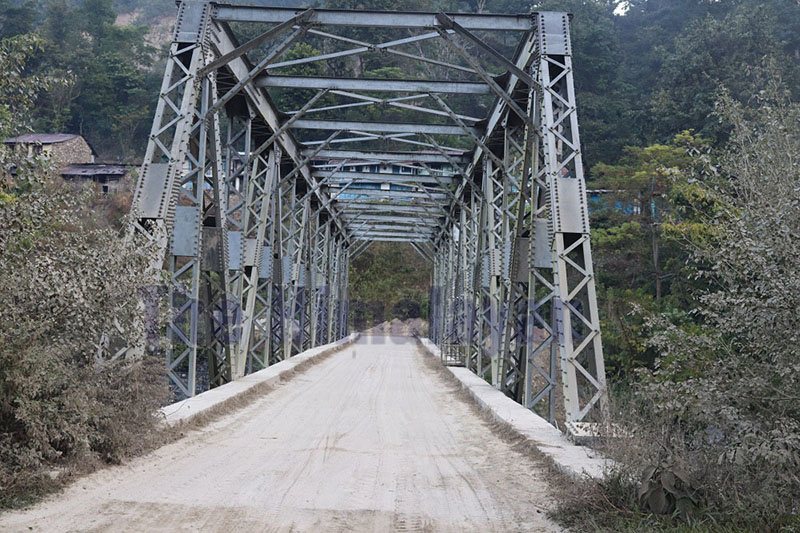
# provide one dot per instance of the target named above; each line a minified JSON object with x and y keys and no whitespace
{"x":369,"y":439}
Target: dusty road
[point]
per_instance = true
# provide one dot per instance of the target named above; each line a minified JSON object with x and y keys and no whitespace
{"x":370,"y":439}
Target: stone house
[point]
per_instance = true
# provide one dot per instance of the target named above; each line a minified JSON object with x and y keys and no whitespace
{"x":62,"y":148}
{"x":74,"y":158}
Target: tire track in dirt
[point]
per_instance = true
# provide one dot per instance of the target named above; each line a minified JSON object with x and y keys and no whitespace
{"x":371,"y":439}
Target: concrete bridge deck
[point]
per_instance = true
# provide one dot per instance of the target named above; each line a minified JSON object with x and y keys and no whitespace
{"x":371,"y":438}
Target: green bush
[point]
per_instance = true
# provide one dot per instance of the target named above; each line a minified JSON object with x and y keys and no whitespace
{"x":68,"y":278}
{"x":713,"y":426}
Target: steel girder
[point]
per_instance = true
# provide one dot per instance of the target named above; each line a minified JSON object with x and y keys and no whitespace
{"x":388,"y":157}
{"x":528,"y":305}
{"x":342,"y":125}
{"x":373,"y":19}
{"x":561,"y":197}
{"x":220,"y":229}
{"x":258,"y":210}
{"x":346,"y":84}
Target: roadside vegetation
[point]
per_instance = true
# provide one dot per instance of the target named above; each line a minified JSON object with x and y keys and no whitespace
{"x":69,"y":298}
{"x":387,"y":282}
{"x":707,"y":436}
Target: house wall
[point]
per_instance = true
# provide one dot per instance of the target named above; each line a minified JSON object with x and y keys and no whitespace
{"x":109,"y":184}
{"x":69,"y":152}
{"x":73,"y":151}
{"x":106,"y":184}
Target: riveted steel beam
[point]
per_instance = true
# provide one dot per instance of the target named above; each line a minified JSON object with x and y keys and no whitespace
{"x":395,"y":232}
{"x":416,"y":228}
{"x":427,"y":206}
{"x":381,"y":238}
{"x":386,"y":157}
{"x":378,"y":218}
{"x":384,"y":127}
{"x":381,"y":85}
{"x":374,"y":19}
{"x":378,"y":178}
{"x":384,"y":194}
{"x":387,"y":207}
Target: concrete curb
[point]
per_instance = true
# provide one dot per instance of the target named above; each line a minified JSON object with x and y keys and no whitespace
{"x":571,"y":459}
{"x":185,"y":410}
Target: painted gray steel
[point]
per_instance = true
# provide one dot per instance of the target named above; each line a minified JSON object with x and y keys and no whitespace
{"x":258,"y":229}
{"x":383,"y":85}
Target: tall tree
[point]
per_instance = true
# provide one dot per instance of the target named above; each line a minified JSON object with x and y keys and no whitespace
{"x":111,"y":98}
{"x":719,"y":52}
{"x":17,"y":18}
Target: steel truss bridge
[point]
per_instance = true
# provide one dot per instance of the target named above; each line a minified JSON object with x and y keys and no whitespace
{"x":265,"y":175}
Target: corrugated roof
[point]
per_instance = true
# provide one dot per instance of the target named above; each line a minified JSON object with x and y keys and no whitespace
{"x":92,"y":169}
{"x":43,"y":138}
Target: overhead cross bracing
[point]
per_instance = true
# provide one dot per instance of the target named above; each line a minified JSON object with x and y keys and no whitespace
{"x":287,"y":139}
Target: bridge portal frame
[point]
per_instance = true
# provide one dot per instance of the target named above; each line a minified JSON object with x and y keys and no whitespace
{"x":257,"y":236}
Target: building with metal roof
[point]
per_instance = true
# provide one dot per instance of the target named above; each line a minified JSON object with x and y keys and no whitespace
{"x":107,"y":177}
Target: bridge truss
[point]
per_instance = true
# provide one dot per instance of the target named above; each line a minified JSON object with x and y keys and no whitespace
{"x":277,"y":155}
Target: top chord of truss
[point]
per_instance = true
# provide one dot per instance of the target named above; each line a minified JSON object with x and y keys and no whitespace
{"x":254,"y":11}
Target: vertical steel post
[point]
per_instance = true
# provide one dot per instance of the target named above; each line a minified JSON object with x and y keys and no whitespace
{"x":576,"y":323}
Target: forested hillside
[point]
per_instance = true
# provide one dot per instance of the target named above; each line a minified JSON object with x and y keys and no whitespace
{"x":110,"y":74}
{"x":641,"y":78}
{"x":388,"y":281}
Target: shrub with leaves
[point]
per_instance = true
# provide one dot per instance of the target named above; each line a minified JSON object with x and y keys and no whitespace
{"x":713,"y":425}
{"x":721,"y":406}
{"x":667,"y":488}
{"x":67,"y":279}
{"x":18,"y":92}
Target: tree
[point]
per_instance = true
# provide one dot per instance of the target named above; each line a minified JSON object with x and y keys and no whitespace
{"x":18,"y":93}
{"x":113,"y":90}
{"x":17,"y":18}
{"x":387,"y":278}
{"x":716,"y":52}
{"x":637,"y":264}
{"x":639,"y":191}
